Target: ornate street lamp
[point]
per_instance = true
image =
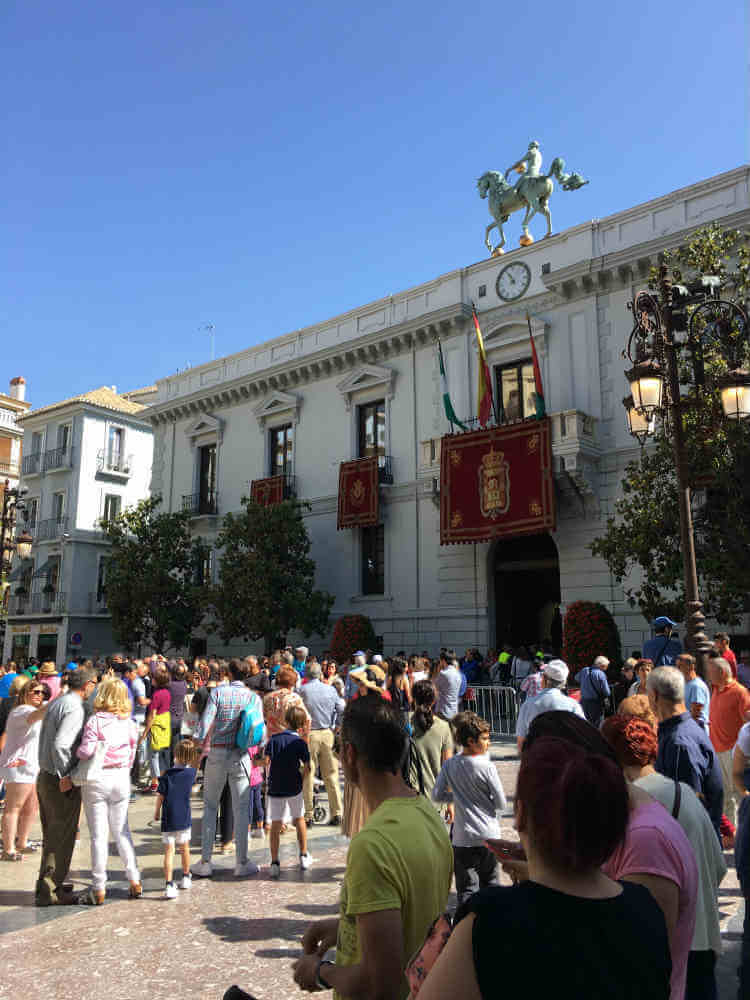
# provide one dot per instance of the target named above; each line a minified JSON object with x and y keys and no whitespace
{"x":23,"y":545}
{"x":12,"y":504}
{"x":716,"y":327}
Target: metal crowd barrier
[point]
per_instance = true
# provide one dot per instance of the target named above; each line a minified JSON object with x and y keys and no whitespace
{"x":497,"y":705}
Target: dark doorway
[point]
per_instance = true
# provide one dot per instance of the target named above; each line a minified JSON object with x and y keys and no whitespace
{"x":526,"y":574}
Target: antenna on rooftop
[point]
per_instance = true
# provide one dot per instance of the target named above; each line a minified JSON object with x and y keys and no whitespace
{"x":209,"y":328}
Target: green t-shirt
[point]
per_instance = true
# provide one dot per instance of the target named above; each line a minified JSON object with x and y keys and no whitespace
{"x":400,"y":860}
{"x":430,"y":747}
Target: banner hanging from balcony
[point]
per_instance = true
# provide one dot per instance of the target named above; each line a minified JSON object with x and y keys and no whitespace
{"x":267,"y":492}
{"x":358,"y":493}
{"x":496,"y":483}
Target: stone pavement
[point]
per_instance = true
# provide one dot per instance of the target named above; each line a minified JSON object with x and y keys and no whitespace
{"x":222,"y":931}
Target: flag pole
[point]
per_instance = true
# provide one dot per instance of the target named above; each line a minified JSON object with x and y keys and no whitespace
{"x":492,"y":392}
{"x":442,"y":369}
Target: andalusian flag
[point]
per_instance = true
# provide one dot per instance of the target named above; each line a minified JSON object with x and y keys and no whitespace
{"x":539,"y":394}
{"x":447,"y":404}
{"x":484,"y":391}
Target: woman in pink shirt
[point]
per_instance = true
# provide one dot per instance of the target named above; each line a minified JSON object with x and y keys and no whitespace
{"x":107,"y":794}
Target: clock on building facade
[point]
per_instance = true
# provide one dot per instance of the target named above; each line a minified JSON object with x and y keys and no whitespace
{"x":513,"y":281}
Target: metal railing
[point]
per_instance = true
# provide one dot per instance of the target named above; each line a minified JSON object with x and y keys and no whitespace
{"x":496,"y":705}
{"x":9,"y":469}
{"x":53,"y":527}
{"x":113,"y":463}
{"x":31,"y":464}
{"x":385,"y":469}
{"x":19,"y":604}
{"x":198,"y":504}
{"x":58,"y":458}
{"x":40,"y":603}
{"x":290,"y":486}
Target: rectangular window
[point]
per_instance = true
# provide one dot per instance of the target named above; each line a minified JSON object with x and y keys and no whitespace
{"x":101,"y":578}
{"x":63,"y":437}
{"x":281,"y":450}
{"x":32,"y":512}
{"x":53,"y":572}
{"x":204,"y":570}
{"x":112,"y":506}
{"x":207,"y":479}
{"x":516,"y":392}
{"x":372,"y":430}
{"x":36,"y":442}
{"x":115,"y":448}
{"x":373,"y":559}
{"x":58,"y":507}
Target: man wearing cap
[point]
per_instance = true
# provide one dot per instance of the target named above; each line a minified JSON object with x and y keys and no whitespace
{"x":325,"y":709}
{"x":552,"y":699}
{"x":662,"y":650}
{"x":594,"y":690}
{"x":350,"y":686}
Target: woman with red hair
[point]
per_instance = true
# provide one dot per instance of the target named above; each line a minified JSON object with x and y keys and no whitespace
{"x":635,"y":744}
{"x":568,"y":930}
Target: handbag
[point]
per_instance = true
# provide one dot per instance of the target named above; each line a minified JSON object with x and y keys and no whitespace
{"x":161,"y":732}
{"x":89,"y":768}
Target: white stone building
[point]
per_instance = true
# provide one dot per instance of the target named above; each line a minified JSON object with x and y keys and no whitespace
{"x":368,"y":382}
{"x":85,"y":459}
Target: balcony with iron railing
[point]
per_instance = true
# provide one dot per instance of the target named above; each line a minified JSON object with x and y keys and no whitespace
{"x":385,"y":470}
{"x":31,"y":465}
{"x":113,"y":464}
{"x":58,"y":458}
{"x":52,"y":527}
{"x":41,"y":602}
{"x":9,"y":469}
{"x":204,"y":504}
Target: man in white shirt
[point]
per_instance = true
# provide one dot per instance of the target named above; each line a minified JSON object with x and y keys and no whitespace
{"x":551,"y":699}
{"x":448,"y":683}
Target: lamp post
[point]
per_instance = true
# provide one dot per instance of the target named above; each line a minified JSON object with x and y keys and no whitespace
{"x":654,"y":349}
{"x":13,"y":503}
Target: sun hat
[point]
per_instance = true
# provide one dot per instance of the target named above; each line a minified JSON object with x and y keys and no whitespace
{"x":369,"y":676}
{"x":48,"y":670}
{"x":556,"y":670}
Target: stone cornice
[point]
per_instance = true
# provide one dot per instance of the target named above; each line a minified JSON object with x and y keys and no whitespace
{"x":369,"y":349}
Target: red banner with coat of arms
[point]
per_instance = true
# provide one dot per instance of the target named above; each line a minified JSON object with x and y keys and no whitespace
{"x":267,"y":491}
{"x":358,"y":493}
{"x":496,"y":483}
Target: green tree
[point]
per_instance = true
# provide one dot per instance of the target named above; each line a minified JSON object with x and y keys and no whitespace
{"x":266,"y":578}
{"x":644,"y":533}
{"x":154,"y":577}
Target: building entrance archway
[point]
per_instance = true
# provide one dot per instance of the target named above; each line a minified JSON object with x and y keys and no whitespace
{"x":525,"y":576}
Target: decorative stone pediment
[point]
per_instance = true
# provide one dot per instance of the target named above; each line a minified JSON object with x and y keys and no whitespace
{"x":206,"y":428}
{"x":278,"y":404}
{"x":367,"y":377}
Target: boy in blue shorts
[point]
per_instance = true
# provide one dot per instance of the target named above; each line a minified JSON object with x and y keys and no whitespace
{"x":173,"y":805}
{"x":285,"y":754}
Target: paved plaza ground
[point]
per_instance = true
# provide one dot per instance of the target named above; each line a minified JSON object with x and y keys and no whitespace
{"x":222,"y":931}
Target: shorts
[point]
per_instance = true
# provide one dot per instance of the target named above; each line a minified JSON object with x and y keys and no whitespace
{"x":176,"y":837}
{"x":276,"y":806}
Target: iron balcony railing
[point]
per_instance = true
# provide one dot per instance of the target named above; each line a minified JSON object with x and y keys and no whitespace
{"x":9,"y":469}
{"x":53,"y":527}
{"x":20,"y":604}
{"x":46,"y":603}
{"x":199,"y":504}
{"x":112,"y":463}
{"x":290,"y":486}
{"x":58,"y":458}
{"x":385,"y":470}
{"x":31,"y":464}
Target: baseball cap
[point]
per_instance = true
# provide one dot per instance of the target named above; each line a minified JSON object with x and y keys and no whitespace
{"x":663,"y":621}
{"x":556,"y":670}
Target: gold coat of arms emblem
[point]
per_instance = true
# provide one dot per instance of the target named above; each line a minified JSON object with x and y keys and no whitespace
{"x":494,"y":484}
{"x":357,"y":493}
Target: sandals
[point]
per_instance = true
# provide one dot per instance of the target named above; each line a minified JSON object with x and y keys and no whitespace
{"x":11,"y":856}
{"x":135,"y":891}
{"x":92,"y":897}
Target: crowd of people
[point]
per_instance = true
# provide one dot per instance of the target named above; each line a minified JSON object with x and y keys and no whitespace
{"x":629,"y":788}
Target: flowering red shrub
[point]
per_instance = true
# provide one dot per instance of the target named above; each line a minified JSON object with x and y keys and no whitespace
{"x":589,"y":630}
{"x":352,"y":632}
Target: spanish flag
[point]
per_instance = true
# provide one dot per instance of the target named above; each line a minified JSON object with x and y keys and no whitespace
{"x":539,"y":391}
{"x":484,"y":391}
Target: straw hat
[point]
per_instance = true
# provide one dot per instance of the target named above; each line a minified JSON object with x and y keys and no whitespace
{"x":369,"y":676}
{"x":48,"y":670}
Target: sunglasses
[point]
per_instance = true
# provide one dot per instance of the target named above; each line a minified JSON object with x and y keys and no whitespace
{"x":38,"y":691}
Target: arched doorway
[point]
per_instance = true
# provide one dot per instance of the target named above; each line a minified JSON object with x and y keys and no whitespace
{"x":526,"y":576}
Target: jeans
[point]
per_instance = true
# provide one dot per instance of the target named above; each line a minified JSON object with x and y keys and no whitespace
{"x":593,"y":710}
{"x":225,"y":763}
{"x":158,"y":760}
{"x":731,"y":796}
{"x":475,"y":868}
{"x":137,"y":773}
{"x":59,"y":813}
{"x":257,"y":812}
{"x":321,"y":752}
{"x":105,"y":801}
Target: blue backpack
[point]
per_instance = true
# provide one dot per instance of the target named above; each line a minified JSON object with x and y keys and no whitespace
{"x":251,"y":727}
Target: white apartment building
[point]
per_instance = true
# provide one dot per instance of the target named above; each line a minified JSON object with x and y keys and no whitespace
{"x":12,"y":406}
{"x":85,"y":459}
{"x":367,"y":382}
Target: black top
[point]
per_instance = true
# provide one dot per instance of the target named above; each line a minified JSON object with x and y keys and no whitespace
{"x":545,"y":943}
{"x":174,"y":786}
{"x":287,"y":751}
{"x":260,"y":682}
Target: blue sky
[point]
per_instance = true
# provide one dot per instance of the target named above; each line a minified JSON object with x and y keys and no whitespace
{"x":262,"y":167}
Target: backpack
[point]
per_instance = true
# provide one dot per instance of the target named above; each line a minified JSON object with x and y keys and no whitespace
{"x":250,"y":727}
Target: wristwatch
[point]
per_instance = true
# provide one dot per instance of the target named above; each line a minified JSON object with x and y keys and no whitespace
{"x":319,"y":982}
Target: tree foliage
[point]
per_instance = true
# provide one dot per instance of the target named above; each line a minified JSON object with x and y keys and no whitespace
{"x":589,"y":630}
{"x":644,"y":533}
{"x":266,"y":579}
{"x":352,"y":632}
{"x":152,"y":587}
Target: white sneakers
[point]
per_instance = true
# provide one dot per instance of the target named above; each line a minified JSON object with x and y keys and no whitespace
{"x":171,"y":891}
{"x":187,"y":880}
{"x":275,"y":870}
{"x":257,"y":834}
{"x":305,"y":861}
{"x":202,"y":869}
{"x":249,"y":868}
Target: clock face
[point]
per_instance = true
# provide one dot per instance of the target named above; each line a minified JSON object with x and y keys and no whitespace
{"x":513,"y":281}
